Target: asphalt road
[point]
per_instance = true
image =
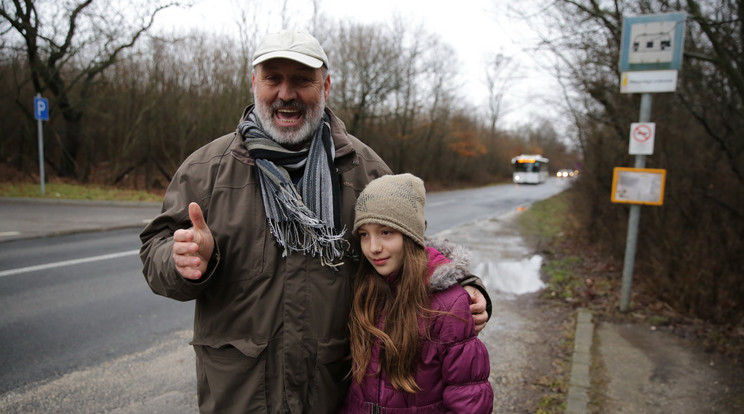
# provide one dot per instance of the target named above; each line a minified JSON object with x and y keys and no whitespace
{"x":451,"y":209}
{"x":76,"y":301}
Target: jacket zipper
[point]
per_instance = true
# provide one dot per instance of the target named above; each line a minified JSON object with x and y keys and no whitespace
{"x":375,"y":409}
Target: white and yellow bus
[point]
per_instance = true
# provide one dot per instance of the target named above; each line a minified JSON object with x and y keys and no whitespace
{"x":529,"y":169}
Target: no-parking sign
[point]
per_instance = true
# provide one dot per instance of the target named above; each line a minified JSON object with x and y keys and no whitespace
{"x":642,"y":138}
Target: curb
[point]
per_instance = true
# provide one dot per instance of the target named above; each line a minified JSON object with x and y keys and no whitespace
{"x":580,"y":383}
{"x":32,"y":218}
{"x":72,"y":232}
{"x":73,"y":202}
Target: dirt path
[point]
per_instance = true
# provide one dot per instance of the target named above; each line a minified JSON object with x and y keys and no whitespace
{"x":525,"y":336}
{"x":648,"y":371}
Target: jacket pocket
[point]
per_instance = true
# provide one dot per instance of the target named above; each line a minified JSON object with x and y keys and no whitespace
{"x":332,"y":366}
{"x":232,"y":377}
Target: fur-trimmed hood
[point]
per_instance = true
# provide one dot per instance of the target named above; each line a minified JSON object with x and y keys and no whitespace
{"x":447,"y":274}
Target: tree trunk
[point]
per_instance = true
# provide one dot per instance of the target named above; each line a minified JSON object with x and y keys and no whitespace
{"x":71,"y":143}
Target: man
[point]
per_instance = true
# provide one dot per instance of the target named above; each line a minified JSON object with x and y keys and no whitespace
{"x":254,"y":226}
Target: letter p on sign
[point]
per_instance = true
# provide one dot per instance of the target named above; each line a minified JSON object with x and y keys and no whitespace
{"x":41,"y":109}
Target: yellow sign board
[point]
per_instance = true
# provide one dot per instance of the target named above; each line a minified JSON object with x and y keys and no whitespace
{"x":638,"y":186}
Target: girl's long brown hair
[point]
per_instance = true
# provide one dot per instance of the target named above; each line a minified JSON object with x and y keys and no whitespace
{"x":398,"y":307}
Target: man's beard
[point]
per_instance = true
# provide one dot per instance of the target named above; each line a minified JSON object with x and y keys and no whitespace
{"x":290,"y":135}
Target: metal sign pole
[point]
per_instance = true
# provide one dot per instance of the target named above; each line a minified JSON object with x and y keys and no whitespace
{"x":634,"y":218}
{"x":41,"y":148}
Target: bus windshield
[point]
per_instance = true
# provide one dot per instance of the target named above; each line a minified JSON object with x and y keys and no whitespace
{"x":527,"y":166}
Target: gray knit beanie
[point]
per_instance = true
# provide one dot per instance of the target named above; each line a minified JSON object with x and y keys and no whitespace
{"x":396,"y":201}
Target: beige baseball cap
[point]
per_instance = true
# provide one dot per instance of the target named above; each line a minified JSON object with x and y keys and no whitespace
{"x":288,"y":44}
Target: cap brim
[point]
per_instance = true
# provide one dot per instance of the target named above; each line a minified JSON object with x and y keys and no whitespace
{"x":287,"y":54}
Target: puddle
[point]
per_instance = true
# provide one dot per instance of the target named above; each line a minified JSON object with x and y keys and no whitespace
{"x":510,"y":276}
{"x":499,"y":255}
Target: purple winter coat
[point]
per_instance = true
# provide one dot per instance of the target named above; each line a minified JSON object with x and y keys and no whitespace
{"x":453,"y":372}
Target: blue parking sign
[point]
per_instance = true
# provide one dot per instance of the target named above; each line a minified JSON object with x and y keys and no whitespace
{"x":41,"y":109}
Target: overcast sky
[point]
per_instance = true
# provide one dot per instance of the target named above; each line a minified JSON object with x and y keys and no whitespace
{"x":475,"y":29}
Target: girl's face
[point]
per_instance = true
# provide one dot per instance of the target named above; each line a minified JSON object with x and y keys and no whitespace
{"x":382,"y":246}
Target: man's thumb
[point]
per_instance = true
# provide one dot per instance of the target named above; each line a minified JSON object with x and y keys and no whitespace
{"x":197,"y":217}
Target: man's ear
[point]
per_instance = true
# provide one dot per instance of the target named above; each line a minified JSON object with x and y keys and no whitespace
{"x":327,"y":87}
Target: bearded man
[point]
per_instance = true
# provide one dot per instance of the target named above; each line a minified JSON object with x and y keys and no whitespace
{"x":255,"y":228}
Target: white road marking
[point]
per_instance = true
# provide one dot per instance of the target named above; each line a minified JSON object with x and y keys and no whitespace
{"x":11,"y":272}
{"x":9,"y":233}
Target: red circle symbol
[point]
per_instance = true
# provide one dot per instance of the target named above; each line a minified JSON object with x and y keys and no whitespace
{"x":642,"y":133}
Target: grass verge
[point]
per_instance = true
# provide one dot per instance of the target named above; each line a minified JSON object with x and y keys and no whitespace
{"x":56,"y":190}
{"x":545,"y":224}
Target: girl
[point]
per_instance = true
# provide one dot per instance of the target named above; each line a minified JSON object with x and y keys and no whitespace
{"x":413,"y":343}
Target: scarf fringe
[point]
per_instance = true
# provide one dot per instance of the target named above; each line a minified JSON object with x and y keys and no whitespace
{"x":299,"y":230}
{"x":315,"y":241}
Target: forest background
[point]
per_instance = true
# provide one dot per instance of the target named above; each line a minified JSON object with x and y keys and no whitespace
{"x":127,"y":105}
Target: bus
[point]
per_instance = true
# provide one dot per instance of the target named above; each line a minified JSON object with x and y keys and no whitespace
{"x":529,"y":169}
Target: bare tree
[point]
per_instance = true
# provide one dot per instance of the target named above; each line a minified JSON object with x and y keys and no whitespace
{"x":247,"y":19}
{"x":68,"y":46}
{"x":699,"y":128}
{"x":499,"y":73}
{"x":365,"y":71}
{"x":721,"y":45}
{"x":315,"y":19}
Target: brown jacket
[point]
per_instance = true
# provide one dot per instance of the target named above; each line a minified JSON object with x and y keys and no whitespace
{"x":269,"y":331}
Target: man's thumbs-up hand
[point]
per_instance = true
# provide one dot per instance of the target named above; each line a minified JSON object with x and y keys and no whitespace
{"x":193,"y":247}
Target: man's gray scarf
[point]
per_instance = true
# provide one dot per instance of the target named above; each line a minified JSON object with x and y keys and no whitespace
{"x":303,"y":218}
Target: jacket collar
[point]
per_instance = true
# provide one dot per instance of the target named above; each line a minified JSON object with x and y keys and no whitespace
{"x":449,"y":272}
